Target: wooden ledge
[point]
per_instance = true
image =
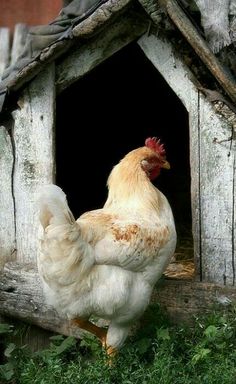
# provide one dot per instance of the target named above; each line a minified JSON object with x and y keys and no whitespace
{"x":21,"y":297}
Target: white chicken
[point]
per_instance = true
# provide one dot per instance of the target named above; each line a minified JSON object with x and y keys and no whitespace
{"x":107,"y":262}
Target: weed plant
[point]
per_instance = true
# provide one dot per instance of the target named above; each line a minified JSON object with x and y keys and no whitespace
{"x":159,"y":352}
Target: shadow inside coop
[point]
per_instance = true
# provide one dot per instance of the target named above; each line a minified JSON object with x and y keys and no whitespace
{"x":111,"y":111}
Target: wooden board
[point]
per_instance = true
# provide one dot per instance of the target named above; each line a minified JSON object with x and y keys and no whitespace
{"x":178,"y":77}
{"x":20,"y":33}
{"x":21,"y":297}
{"x":34,"y":158}
{"x":217,"y":165}
{"x":90,"y":54}
{"x":4,"y":49}
{"x":7,"y":223}
{"x":212,"y":157}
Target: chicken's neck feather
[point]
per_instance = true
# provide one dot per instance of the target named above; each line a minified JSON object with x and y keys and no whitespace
{"x":130,"y":187}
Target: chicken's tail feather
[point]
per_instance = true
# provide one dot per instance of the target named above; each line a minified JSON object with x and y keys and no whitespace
{"x":65,"y":256}
{"x":53,"y":206}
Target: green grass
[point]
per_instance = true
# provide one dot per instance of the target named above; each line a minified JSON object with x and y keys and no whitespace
{"x":159,"y":353}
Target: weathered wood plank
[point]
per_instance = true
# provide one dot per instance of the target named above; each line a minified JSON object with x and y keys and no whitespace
{"x":217,"y":162}
{"x":90,"y":54}
{"x":4,"y":49}
{"x":178,"y":76}
{"x":21,"y":297}
{"x":19,"y":38}
{"x":7,"y":223}
{"x":233,"y":153}
{"x":215,"y":22}
{"x":175,"y":72}
{"x":185,"y":299}
{"x":101,"y":17}
{"x":212,"y":165}
{"x":184,"y":24}
{"x":34,"y":158}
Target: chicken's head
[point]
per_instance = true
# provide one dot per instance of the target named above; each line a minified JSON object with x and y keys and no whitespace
{"x":156,"y":158}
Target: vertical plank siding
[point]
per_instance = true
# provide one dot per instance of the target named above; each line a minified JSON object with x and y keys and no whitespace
{"x":20,"y":33}
{"x":212,"y":157}
{"x":217,"y":157}
{"x":177,"y":75}
{"x":7,"y":219}
{"x":194,"y":149}
{"x":34,"y":158}
{"x":4,"y":49}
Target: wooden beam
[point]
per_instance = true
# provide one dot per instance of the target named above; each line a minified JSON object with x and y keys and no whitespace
{"x":185,"y":299}
{"x":33,"y":138}
{"x":95,"y":22}
{"x":21,"y":297}
{"x":223,"y":76}
{"x":182,"y":22}
{"x":91,"y":53}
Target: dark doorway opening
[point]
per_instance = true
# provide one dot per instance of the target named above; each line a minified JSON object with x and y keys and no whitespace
{"x":111,"y":111}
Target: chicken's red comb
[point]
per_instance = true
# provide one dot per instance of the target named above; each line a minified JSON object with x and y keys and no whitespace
{"x":155,"y":144}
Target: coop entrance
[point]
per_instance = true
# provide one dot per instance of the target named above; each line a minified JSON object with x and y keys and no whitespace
{"x":111,"y":111}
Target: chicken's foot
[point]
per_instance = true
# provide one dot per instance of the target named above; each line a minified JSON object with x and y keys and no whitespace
{"x":101,"y":333}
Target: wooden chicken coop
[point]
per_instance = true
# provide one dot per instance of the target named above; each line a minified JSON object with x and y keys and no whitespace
{"x":133,"y":69}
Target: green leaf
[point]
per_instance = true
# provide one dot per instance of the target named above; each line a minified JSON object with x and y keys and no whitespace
{"x":143,"y":345}
{"x":200,"y":355}
{"x":5,"y":328}
{"x":6,"y":371}
{"x":57,"y":338}
{"x":163,"y":334}
{"x":211,"y":332}
{"x":65,"y":345}
{"x":10,"y":348}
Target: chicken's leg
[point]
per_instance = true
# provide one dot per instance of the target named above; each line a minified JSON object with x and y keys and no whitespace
{"x":101,"y":333}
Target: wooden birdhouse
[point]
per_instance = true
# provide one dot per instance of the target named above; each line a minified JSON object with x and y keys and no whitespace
{"x":115,"y":75}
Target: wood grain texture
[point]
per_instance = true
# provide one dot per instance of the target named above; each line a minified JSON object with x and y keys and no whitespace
{"x":212,"y":160}
{"x":34,"y":158}
{"x":19,"y":37}
{"x":21,"y":297}
{"x":4,"y":49}
{"x":215,"y":22}
{"x":183,"y":300}
{"x":90,"y":54}
{"x":95,"y":22}
{"x":177,"y":75}
{"x":7,"y":223}
{"x":217,"y":164}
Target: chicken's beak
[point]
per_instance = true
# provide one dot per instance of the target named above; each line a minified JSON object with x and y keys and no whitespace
{"x":165,"y":164}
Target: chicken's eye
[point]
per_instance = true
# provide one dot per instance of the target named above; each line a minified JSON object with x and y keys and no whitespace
{"x":145,"y":164}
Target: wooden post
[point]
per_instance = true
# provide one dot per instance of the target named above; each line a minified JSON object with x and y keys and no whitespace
{"x":212,"y":156}
{"x":34,"y":158}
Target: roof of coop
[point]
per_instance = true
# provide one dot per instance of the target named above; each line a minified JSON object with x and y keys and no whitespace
{"x":198,"y":29}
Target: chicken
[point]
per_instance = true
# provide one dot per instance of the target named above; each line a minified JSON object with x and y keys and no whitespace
{"x":107,"y":262}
